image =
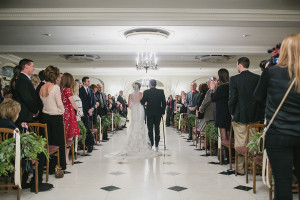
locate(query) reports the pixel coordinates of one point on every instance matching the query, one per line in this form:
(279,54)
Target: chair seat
(241,150)
(53,149)
(258,160)
(94,130)
(202,133)
(79,137)
(69,142)
(226,143)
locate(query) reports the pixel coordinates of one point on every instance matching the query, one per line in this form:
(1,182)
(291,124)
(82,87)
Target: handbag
(261,140)
(58,172)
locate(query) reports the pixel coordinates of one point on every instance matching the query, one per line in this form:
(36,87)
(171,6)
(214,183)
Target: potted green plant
(117,118)
(82,131)
(211,132)
(252,144)
(31,146)
(191,121)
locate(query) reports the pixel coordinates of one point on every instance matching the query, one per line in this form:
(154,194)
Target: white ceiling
(203,27)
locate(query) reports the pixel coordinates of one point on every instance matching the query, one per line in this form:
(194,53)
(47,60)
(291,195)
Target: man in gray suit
(192,99)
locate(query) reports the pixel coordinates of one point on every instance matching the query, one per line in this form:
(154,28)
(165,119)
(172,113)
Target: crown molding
(196,49)
(143,14)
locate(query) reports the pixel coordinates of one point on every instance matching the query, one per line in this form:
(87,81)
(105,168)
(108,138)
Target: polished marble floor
(179,174)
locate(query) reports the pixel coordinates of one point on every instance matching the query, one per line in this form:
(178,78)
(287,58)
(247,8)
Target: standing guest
(67,84)
(35,80)
(95,114)
(208,107)
(59,79)
(182,100)
(283,136)
(79,83)
(124,109)
(7,93)
(170,109)
(25,93)
(53,110)
(220,95)
(114,104)
(9,112)
(192,100)
(242,105)
(88,104)
(102,109)
(40,103)
(203,88)
(77,101)
(17,71)
(26,96)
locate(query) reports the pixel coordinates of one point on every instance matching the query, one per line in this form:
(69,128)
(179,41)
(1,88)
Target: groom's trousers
(153,120)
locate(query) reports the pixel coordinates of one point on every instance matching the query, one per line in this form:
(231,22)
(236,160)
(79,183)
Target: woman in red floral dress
(69,116)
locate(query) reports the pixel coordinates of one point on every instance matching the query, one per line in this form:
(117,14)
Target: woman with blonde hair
(283,136)
(35,79)
(70,122)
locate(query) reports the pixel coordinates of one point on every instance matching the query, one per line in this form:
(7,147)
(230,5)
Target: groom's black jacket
(156,101)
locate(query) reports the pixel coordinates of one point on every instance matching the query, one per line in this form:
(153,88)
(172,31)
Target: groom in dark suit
(156,104)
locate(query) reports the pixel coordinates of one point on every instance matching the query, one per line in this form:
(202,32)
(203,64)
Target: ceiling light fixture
(146,60)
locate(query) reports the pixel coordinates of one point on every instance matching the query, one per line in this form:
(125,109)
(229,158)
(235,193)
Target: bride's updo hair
(137,84)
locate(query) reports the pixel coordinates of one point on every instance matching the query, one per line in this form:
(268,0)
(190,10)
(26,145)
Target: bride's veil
(135,95)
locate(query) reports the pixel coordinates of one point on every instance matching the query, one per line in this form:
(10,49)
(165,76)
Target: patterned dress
(70,121)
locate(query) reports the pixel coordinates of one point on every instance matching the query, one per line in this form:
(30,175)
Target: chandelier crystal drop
(146,60)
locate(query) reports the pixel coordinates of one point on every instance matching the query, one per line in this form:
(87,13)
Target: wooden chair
(6,133)
(229,144)
(52,149)
(244,151)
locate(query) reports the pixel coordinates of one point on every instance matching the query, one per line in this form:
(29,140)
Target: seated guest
(9,113)
(70,122)
(52,114)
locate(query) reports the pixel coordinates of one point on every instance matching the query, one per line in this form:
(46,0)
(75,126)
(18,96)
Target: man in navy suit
(88,105)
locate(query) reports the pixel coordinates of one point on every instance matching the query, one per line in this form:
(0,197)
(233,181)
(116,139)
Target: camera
(274,58)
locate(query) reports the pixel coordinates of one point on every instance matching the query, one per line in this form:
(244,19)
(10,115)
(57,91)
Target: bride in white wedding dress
(138,142)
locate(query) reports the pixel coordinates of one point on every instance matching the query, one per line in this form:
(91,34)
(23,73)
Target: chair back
(41,130)
(6,133)
(253,127)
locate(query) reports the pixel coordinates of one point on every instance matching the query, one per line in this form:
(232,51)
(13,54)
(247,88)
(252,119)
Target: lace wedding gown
(138,142)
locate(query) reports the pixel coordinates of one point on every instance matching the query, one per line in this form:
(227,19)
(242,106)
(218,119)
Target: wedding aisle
(180,174)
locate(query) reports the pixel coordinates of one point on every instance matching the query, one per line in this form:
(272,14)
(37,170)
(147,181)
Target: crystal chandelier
(146,60)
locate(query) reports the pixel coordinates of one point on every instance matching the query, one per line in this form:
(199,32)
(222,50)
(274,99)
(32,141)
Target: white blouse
(53,104)
(79,106)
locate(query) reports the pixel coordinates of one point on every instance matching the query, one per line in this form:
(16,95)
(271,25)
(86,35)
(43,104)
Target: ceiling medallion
(147,33)
(214,58)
